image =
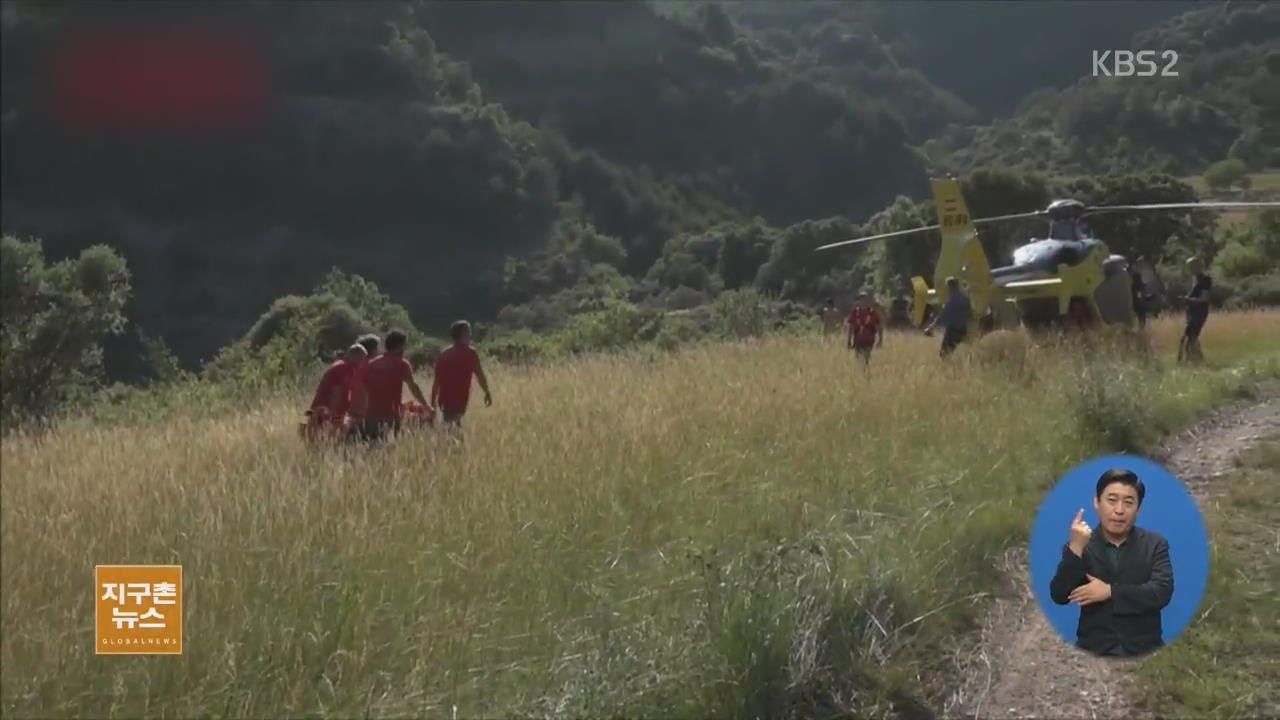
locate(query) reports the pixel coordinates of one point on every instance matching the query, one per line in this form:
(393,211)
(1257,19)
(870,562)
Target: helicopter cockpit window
(1049,254)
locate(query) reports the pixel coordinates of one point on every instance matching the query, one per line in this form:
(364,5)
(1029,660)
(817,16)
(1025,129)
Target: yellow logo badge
(139,609)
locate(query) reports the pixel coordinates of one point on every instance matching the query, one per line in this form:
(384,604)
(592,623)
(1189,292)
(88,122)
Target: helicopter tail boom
(962,255)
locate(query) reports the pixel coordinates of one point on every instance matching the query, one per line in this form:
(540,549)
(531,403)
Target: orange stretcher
(323,427)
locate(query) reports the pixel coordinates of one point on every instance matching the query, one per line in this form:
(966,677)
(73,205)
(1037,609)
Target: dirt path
(1020,668)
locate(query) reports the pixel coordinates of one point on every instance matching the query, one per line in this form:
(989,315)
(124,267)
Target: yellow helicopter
(1070,273)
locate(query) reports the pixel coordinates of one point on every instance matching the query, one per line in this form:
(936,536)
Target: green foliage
(163,365)
(521,347)
(745,312)
(373,306)
(528,164)
(1111,409)
(676,331)
(53,319)
(1227,173)
(1221,104)
(327,323)
(617,325)
(1256,291)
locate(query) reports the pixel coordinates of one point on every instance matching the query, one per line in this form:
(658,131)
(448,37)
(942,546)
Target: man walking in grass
(954,317)
(378,399)
(456,366)
(333,395)
(866,329)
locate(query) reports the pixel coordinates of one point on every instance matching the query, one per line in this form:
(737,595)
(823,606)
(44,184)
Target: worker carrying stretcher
(360,397)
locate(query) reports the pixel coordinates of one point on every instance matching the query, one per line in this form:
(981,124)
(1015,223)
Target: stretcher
(325,428)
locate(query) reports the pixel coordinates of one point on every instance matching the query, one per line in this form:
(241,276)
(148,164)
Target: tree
(53,319)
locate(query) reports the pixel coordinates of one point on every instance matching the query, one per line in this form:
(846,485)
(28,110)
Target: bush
(742,313)
(677,331)
(683,298)
(53,319)
(619,324)
(1257,291)
(328,324)
(1225,173)
(1109,406)
(520,347)
(364,297)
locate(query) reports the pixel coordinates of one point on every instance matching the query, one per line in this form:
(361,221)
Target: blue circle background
(1167,509)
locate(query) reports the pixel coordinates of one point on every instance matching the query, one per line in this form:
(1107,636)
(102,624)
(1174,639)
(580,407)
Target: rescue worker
(333,395)
(370,343)
(1197,311)
(378,399)
(866,328)
(456,366)
(954,317)
(1138,289)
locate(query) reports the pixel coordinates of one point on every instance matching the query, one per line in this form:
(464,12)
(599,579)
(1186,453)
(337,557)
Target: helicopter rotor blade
(1015,216)
(881,236)
(898,233)
(1181,206)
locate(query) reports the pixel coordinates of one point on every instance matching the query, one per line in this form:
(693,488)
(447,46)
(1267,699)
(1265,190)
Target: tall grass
(742,529)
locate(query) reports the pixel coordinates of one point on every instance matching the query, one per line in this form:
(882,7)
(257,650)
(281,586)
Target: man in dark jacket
(1119,575)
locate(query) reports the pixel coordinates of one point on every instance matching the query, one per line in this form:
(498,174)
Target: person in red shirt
(457,364)
(382,386)
(332,395)
(370,344)
(866,328)
(332,398)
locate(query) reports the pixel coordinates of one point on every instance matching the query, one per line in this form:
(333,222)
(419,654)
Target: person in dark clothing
(1119,575)
(1139,290)
(1197,311)
(954,317)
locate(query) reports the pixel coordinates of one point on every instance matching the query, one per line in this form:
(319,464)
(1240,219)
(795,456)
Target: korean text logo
(139,609)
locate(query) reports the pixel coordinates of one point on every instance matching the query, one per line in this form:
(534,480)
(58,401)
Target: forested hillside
(1224,101)
(530,164)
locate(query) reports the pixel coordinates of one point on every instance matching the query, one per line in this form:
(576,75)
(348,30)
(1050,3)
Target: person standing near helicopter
(1197,311)
(954,317)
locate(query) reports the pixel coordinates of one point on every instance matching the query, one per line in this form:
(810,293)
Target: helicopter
(1070,274)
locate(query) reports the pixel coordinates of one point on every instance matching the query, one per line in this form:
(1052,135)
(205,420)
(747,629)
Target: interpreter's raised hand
(1080,533)
(1094,591)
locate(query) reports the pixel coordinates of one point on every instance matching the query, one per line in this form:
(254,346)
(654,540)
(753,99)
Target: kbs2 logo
(139,609)
(1124,63)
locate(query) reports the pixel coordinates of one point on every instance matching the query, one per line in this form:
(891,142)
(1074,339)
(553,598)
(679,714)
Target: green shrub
(332,323)
(520,347)
(53,319)
(1226,173)
(619,324)
(744,312)
(364,297)
(1256,291)
(1110,408)
(676,331)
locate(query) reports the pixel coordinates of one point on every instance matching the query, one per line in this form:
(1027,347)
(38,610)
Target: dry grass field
(735,529)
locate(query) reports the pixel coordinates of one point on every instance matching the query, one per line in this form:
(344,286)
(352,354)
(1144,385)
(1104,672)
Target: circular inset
(1121,599)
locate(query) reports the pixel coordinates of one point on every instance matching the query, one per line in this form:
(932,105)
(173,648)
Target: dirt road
(1021,668)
